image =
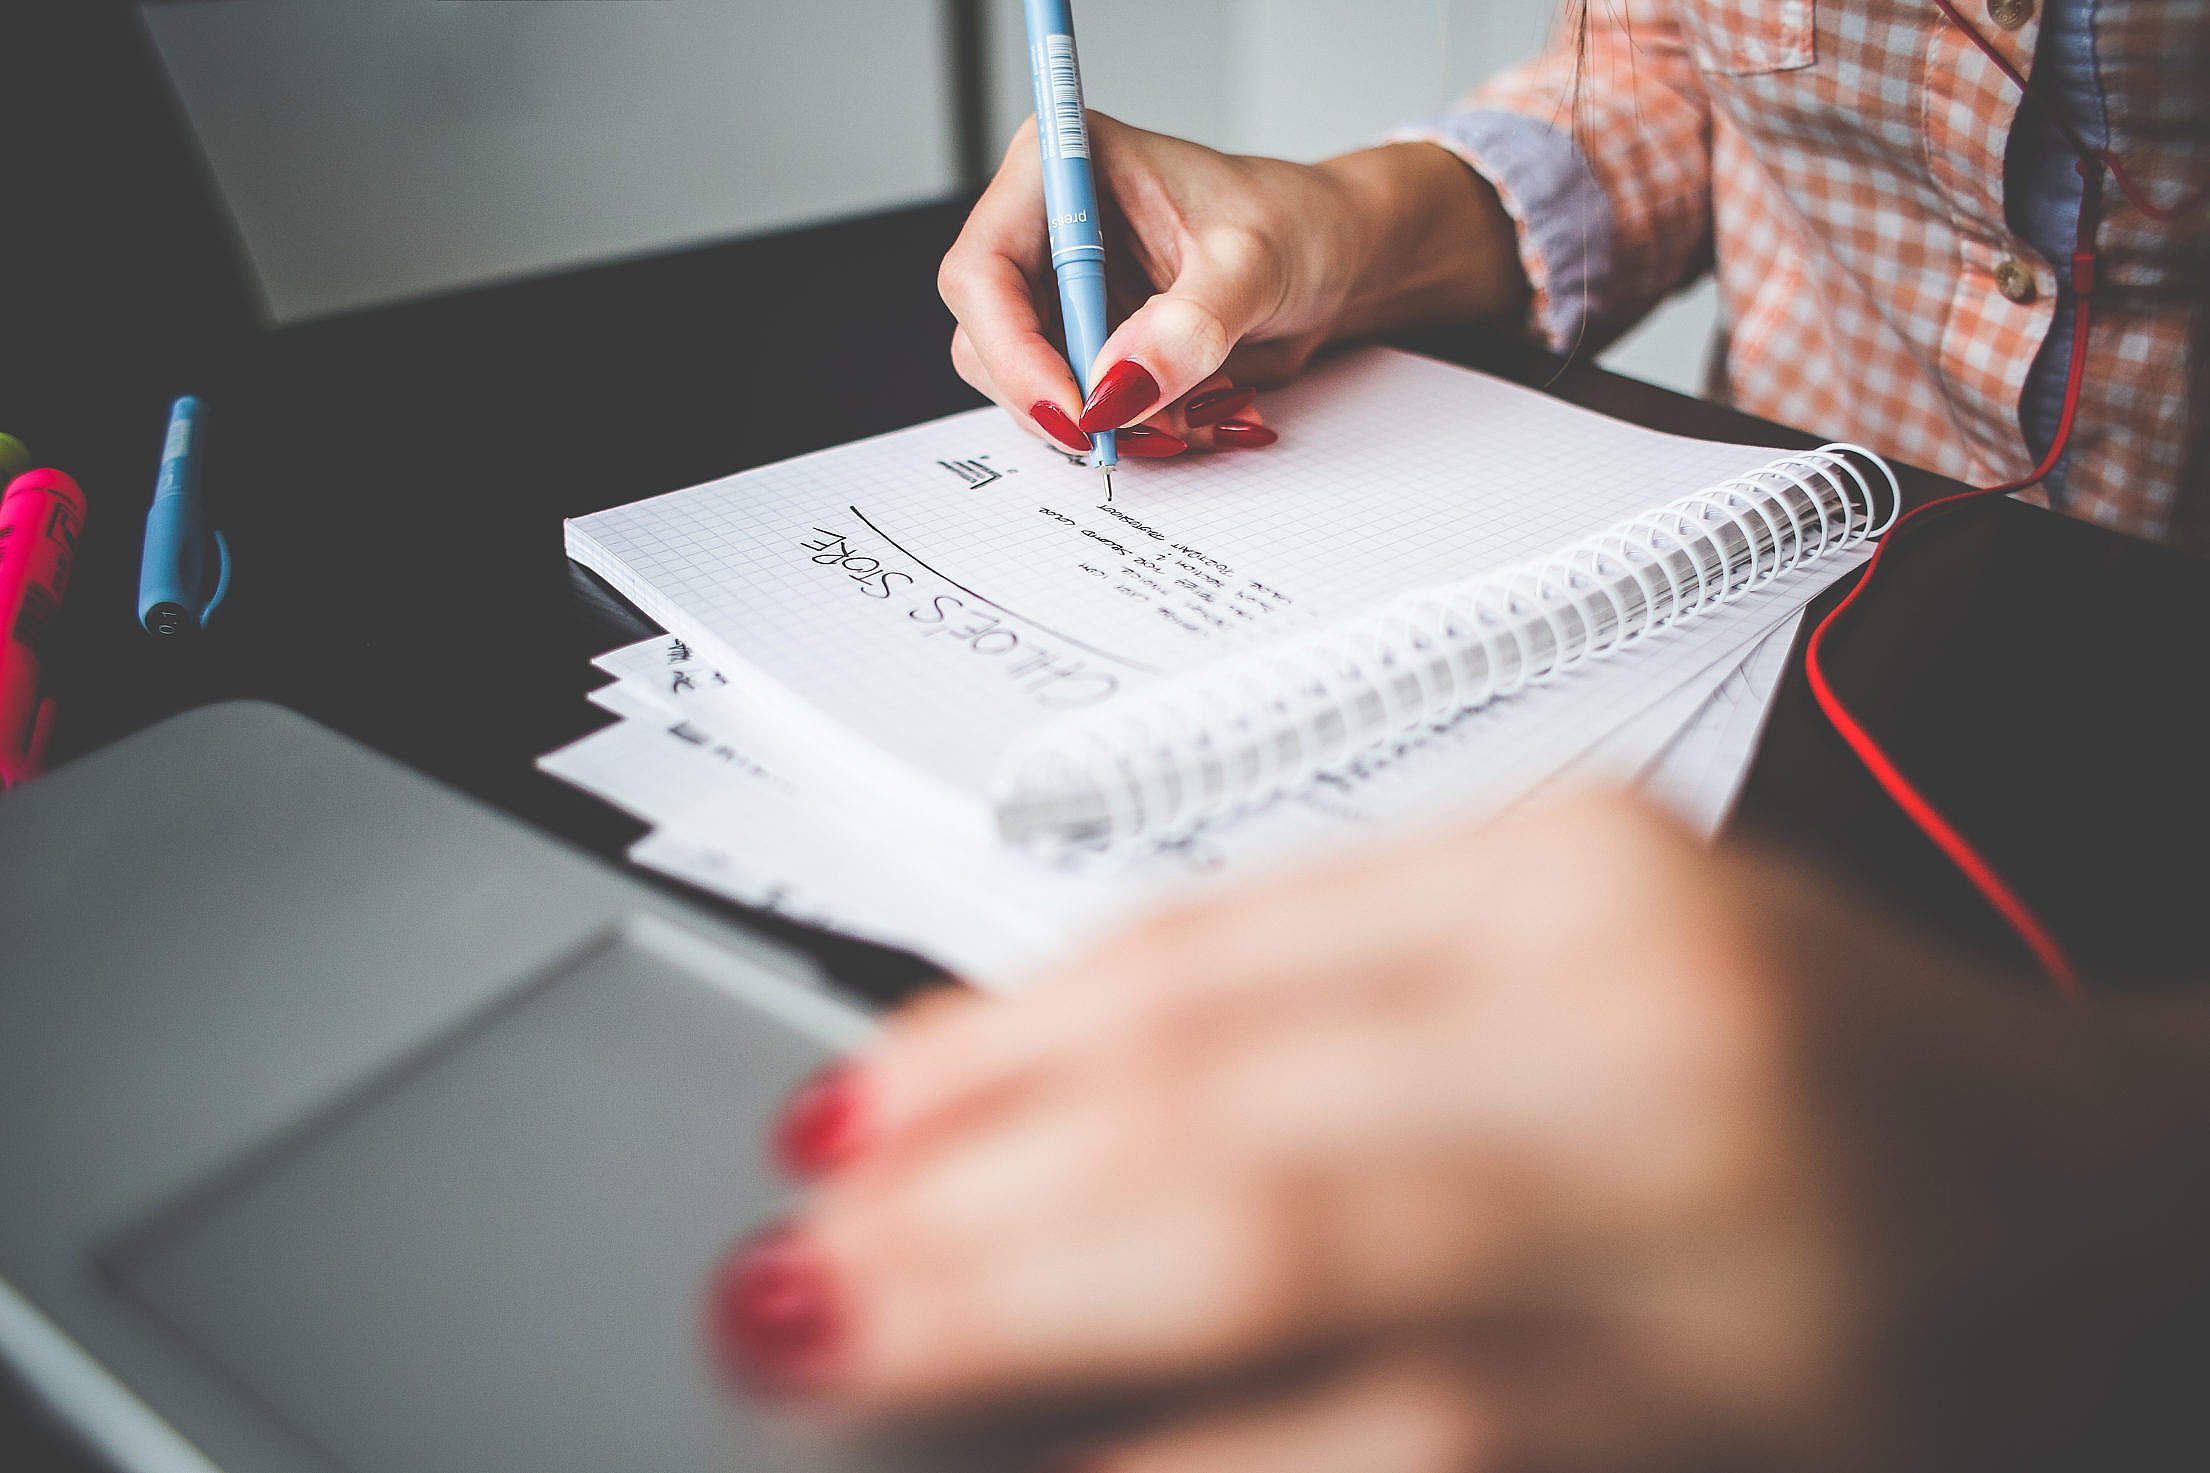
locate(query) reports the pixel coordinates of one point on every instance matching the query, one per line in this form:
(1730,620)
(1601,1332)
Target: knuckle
(1248,255)
(955,277)
(1240,250)
(1210,337)
(1020,151)
(1199,332)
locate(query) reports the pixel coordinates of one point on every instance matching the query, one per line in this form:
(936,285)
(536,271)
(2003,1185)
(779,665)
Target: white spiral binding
(1228,736)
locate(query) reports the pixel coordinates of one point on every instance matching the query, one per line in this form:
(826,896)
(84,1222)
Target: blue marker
(186,566)
(1070,200)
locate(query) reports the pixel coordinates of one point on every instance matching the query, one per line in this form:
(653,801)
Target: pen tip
(1108,484)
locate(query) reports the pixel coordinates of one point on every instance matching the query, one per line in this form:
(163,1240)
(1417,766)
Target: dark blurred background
(371,151)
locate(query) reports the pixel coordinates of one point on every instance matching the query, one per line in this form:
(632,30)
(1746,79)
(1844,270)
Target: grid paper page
(937,590)
(1701,772)
(1629,750)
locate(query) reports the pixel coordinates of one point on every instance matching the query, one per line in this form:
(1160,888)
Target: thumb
(1179,338)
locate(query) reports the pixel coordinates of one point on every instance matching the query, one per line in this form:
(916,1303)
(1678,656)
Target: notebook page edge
(818,749)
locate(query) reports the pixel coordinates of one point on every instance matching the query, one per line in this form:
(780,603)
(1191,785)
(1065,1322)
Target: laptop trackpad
(493,1258)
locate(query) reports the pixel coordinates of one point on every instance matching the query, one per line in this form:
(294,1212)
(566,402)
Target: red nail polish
(820,1126)
(774,1316)
(1146,443)
(1126,390)
(1219,404)
(1054,422)
(1239,435)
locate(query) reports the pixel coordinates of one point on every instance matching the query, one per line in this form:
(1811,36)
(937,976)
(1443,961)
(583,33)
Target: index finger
(1344,926)
(990,279)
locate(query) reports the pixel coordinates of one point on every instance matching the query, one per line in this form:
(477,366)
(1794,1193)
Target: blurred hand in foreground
(1562,1143)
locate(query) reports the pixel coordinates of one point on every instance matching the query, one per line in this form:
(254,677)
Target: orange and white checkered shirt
(1843,162)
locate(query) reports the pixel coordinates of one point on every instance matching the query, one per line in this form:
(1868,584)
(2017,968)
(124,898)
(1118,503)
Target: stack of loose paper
(855,636)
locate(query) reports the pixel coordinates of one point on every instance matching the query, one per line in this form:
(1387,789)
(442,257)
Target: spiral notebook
(1436,591)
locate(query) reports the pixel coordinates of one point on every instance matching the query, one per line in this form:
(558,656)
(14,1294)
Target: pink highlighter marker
(41,515)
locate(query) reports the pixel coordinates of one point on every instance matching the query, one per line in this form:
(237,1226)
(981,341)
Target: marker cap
(58,484)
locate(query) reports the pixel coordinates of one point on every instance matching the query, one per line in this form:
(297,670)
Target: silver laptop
(345,1124)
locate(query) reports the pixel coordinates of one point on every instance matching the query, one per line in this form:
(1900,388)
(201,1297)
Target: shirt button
(2010,14)
(2015,279)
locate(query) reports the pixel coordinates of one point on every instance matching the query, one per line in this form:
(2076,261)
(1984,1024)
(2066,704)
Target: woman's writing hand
(1227,272)
(1562,1144)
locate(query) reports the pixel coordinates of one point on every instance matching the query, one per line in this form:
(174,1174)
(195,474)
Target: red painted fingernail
(774,1315)
(1210,409)
(1054,422)
(820,1126)
(1146,443)
(1126,390)
(1241,435)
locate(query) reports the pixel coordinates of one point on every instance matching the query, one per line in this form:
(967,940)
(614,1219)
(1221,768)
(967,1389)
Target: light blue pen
(1070,200)
(185,570)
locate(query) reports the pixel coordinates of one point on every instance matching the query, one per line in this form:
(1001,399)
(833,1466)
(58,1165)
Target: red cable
(1915,805)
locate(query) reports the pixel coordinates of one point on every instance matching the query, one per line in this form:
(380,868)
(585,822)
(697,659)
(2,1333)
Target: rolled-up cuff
(1559,213)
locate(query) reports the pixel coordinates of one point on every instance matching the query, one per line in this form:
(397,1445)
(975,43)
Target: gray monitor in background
(374,150)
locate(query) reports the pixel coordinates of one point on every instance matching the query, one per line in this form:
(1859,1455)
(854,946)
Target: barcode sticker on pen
(1069,129)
